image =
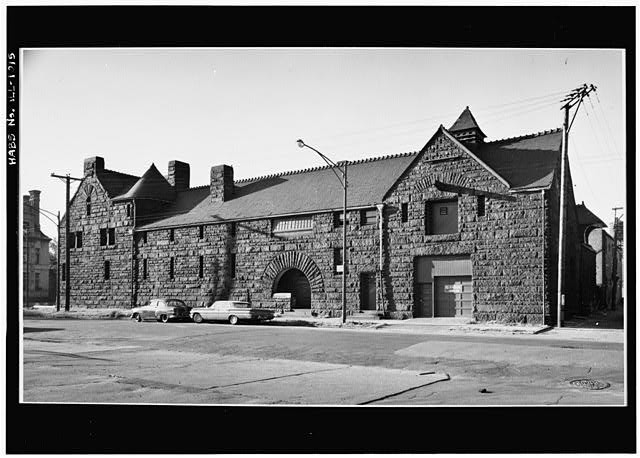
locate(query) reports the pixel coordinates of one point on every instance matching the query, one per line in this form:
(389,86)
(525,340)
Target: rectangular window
(201,273)
(171,268)
(232,229)
(112,236)
(103,237)
(144,269)
(232,266)
(404,212)
(292,225)
(441,217)
(72,239)
(107,270)
(37,255)
(64,271)
(172,235)
(338,264)
(368,216)
(37,280)
(144,238)
(338,218)
(481,205)
(78,239)
(88,209)
(201,232)
(128,210)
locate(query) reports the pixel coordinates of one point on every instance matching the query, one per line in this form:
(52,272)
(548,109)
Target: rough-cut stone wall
(505,246)
(88,285)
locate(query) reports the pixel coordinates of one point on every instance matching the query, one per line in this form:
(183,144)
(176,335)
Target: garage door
(454,296)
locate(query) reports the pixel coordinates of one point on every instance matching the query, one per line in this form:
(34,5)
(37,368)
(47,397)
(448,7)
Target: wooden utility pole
(574,98)
(614,269)
(67,292)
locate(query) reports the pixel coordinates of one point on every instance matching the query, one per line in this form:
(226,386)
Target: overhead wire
(617,151)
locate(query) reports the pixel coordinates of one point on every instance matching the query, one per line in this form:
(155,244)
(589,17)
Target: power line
(613,138)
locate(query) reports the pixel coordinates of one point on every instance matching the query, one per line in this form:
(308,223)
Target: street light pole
(343,181)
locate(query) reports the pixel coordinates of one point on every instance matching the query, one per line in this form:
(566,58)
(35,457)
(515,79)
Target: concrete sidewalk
(430,326)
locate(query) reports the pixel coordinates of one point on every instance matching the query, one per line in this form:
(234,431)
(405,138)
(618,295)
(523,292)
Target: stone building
(593,231)
(35,253)
(463,227)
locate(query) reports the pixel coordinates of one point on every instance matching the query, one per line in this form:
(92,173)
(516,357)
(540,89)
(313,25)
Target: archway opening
(295,282)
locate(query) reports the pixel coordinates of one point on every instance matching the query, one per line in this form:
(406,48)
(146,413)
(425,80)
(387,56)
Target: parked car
(231,311)
(161,309)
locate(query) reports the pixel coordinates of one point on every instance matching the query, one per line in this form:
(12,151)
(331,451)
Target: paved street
(120,361)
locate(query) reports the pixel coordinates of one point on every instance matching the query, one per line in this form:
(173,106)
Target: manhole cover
(590,384)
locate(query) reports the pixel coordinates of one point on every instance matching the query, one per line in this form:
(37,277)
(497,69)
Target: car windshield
(174,302)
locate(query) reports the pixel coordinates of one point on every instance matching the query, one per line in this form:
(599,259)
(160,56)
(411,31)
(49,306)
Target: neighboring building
(463,227)
(592,229)
(35,253)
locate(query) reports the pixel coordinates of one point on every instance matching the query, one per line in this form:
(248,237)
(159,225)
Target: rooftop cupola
(466,129)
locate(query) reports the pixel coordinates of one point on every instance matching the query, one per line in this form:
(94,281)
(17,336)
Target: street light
(342,178)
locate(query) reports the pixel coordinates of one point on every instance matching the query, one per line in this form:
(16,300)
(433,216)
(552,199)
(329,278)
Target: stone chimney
(92,165)
(34,202)
(178,175)
(221,187)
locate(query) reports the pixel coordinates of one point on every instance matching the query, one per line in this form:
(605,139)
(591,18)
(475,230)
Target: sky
(247,107)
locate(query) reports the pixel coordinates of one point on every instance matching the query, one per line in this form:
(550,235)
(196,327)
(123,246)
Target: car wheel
(137,317)
(233,319)
(197,318)
(164,318)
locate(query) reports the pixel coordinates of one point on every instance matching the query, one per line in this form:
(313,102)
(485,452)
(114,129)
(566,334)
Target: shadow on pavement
(291,323)
(27,330)
(601,319)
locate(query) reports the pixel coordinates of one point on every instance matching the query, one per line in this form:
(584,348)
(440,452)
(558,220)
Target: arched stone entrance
(293,271)
(294,281)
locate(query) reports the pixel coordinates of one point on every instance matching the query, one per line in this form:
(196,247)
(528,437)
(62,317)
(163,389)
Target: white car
(231,311)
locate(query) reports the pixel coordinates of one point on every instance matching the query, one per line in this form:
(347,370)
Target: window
(232,229)
(112,236)
(201,232)
(201,272)
(37,280)
(72,240)
(481,205)
(107,270)
(128,210)
(144,238)
(232,266)
(292,225)
(37,255)
(338,218)
(171,268)
(404,212)
(64,271)
(103,237)
(441,217)
(89,205)
(78,239)
(368,216)
(338,264)
(172,235)
(144,269)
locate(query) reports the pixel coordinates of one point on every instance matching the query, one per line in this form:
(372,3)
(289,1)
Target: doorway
(295,282)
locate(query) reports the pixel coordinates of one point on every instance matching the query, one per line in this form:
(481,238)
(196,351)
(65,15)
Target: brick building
(464,227)
(35,254)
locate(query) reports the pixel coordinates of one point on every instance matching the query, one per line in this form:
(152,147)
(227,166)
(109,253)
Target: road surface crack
(404,391)
(275,378)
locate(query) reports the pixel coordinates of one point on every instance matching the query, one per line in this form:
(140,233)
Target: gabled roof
(115,183)
(587,218)
(526,162)
(302,191)
(151,185)
(466,121)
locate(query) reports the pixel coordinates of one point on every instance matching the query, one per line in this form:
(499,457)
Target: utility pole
(67,292)
(574,98)
(614,270)
(58,268)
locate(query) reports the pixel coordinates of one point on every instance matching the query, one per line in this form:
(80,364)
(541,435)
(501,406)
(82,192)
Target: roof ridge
(521,137)
(322,167)
(120,173)
(196,187)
